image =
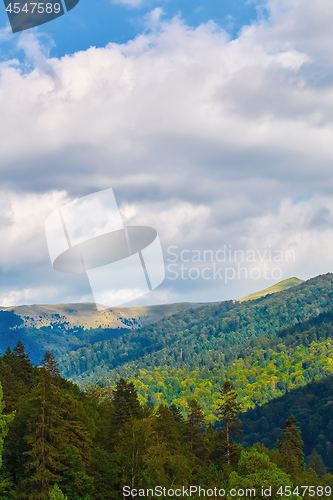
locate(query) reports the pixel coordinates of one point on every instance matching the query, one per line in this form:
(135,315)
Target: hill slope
(68,327)
(64,328)
(87,316)
(278,287)
(188,353)
(312,406)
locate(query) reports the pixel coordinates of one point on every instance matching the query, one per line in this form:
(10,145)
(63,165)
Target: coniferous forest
(228,397)
(59,442)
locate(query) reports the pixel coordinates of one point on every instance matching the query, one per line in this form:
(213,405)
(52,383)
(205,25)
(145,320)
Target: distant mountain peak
(278,287)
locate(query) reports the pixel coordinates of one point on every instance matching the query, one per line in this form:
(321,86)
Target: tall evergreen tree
(193,431)
(167,428)
(22,364)
(49,362)
(126,403)
(177,415)
(316,463)
(131,451)
(8,353)
(46,438)
(13,387)
(167,462)
(290,446)
(228,410)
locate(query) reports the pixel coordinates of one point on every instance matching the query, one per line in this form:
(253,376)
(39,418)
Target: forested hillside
(265,347)
(312,406)
(68,327)
(59,443)
(63,328)
(86,315)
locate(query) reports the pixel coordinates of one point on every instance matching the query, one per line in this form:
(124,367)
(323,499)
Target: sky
(211,121)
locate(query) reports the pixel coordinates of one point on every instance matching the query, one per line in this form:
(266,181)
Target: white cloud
(201,136)
(22,217)
(130,3)
(28,296)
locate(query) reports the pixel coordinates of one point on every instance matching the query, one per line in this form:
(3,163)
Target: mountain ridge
(205,343)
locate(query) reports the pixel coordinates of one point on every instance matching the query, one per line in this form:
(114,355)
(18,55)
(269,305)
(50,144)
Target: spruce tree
(228,410)
(193,430)
(46,438)
(316,463)
(8,353)
(131,453)
(19,350)
(177,415)
(167,460)
(126,403)
(22,365)
(49,362)
(76,427)
(290,446)
(13,388)
(167,428)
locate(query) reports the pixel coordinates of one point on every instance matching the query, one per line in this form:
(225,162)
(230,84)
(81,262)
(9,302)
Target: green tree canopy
(228,410)
(290,446)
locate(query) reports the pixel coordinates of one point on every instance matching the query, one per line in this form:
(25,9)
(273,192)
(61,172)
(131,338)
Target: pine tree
(193,431)
(316,463)
(167,428)
(105,477)
(13,388)
(75,482)
(228,411)
(49,362)
(178,418)
(19,350)
(76,430)
(22,365)
(131,451)
(167,461)
(46,438)
(290,446)
(126,403)
(8,353)
(177,415)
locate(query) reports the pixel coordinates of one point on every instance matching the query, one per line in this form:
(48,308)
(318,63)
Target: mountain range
(266,344)
(63,328)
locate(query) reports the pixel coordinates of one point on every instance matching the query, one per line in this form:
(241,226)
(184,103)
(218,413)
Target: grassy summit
(278,287)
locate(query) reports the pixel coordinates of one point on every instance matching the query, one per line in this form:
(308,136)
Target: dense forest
(63,328)
(229,395)
(215,334)
(59,337)
(265,347)
(59,442)
(312,406)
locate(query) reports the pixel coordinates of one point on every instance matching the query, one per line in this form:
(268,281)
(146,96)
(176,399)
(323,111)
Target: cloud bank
(211,141)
